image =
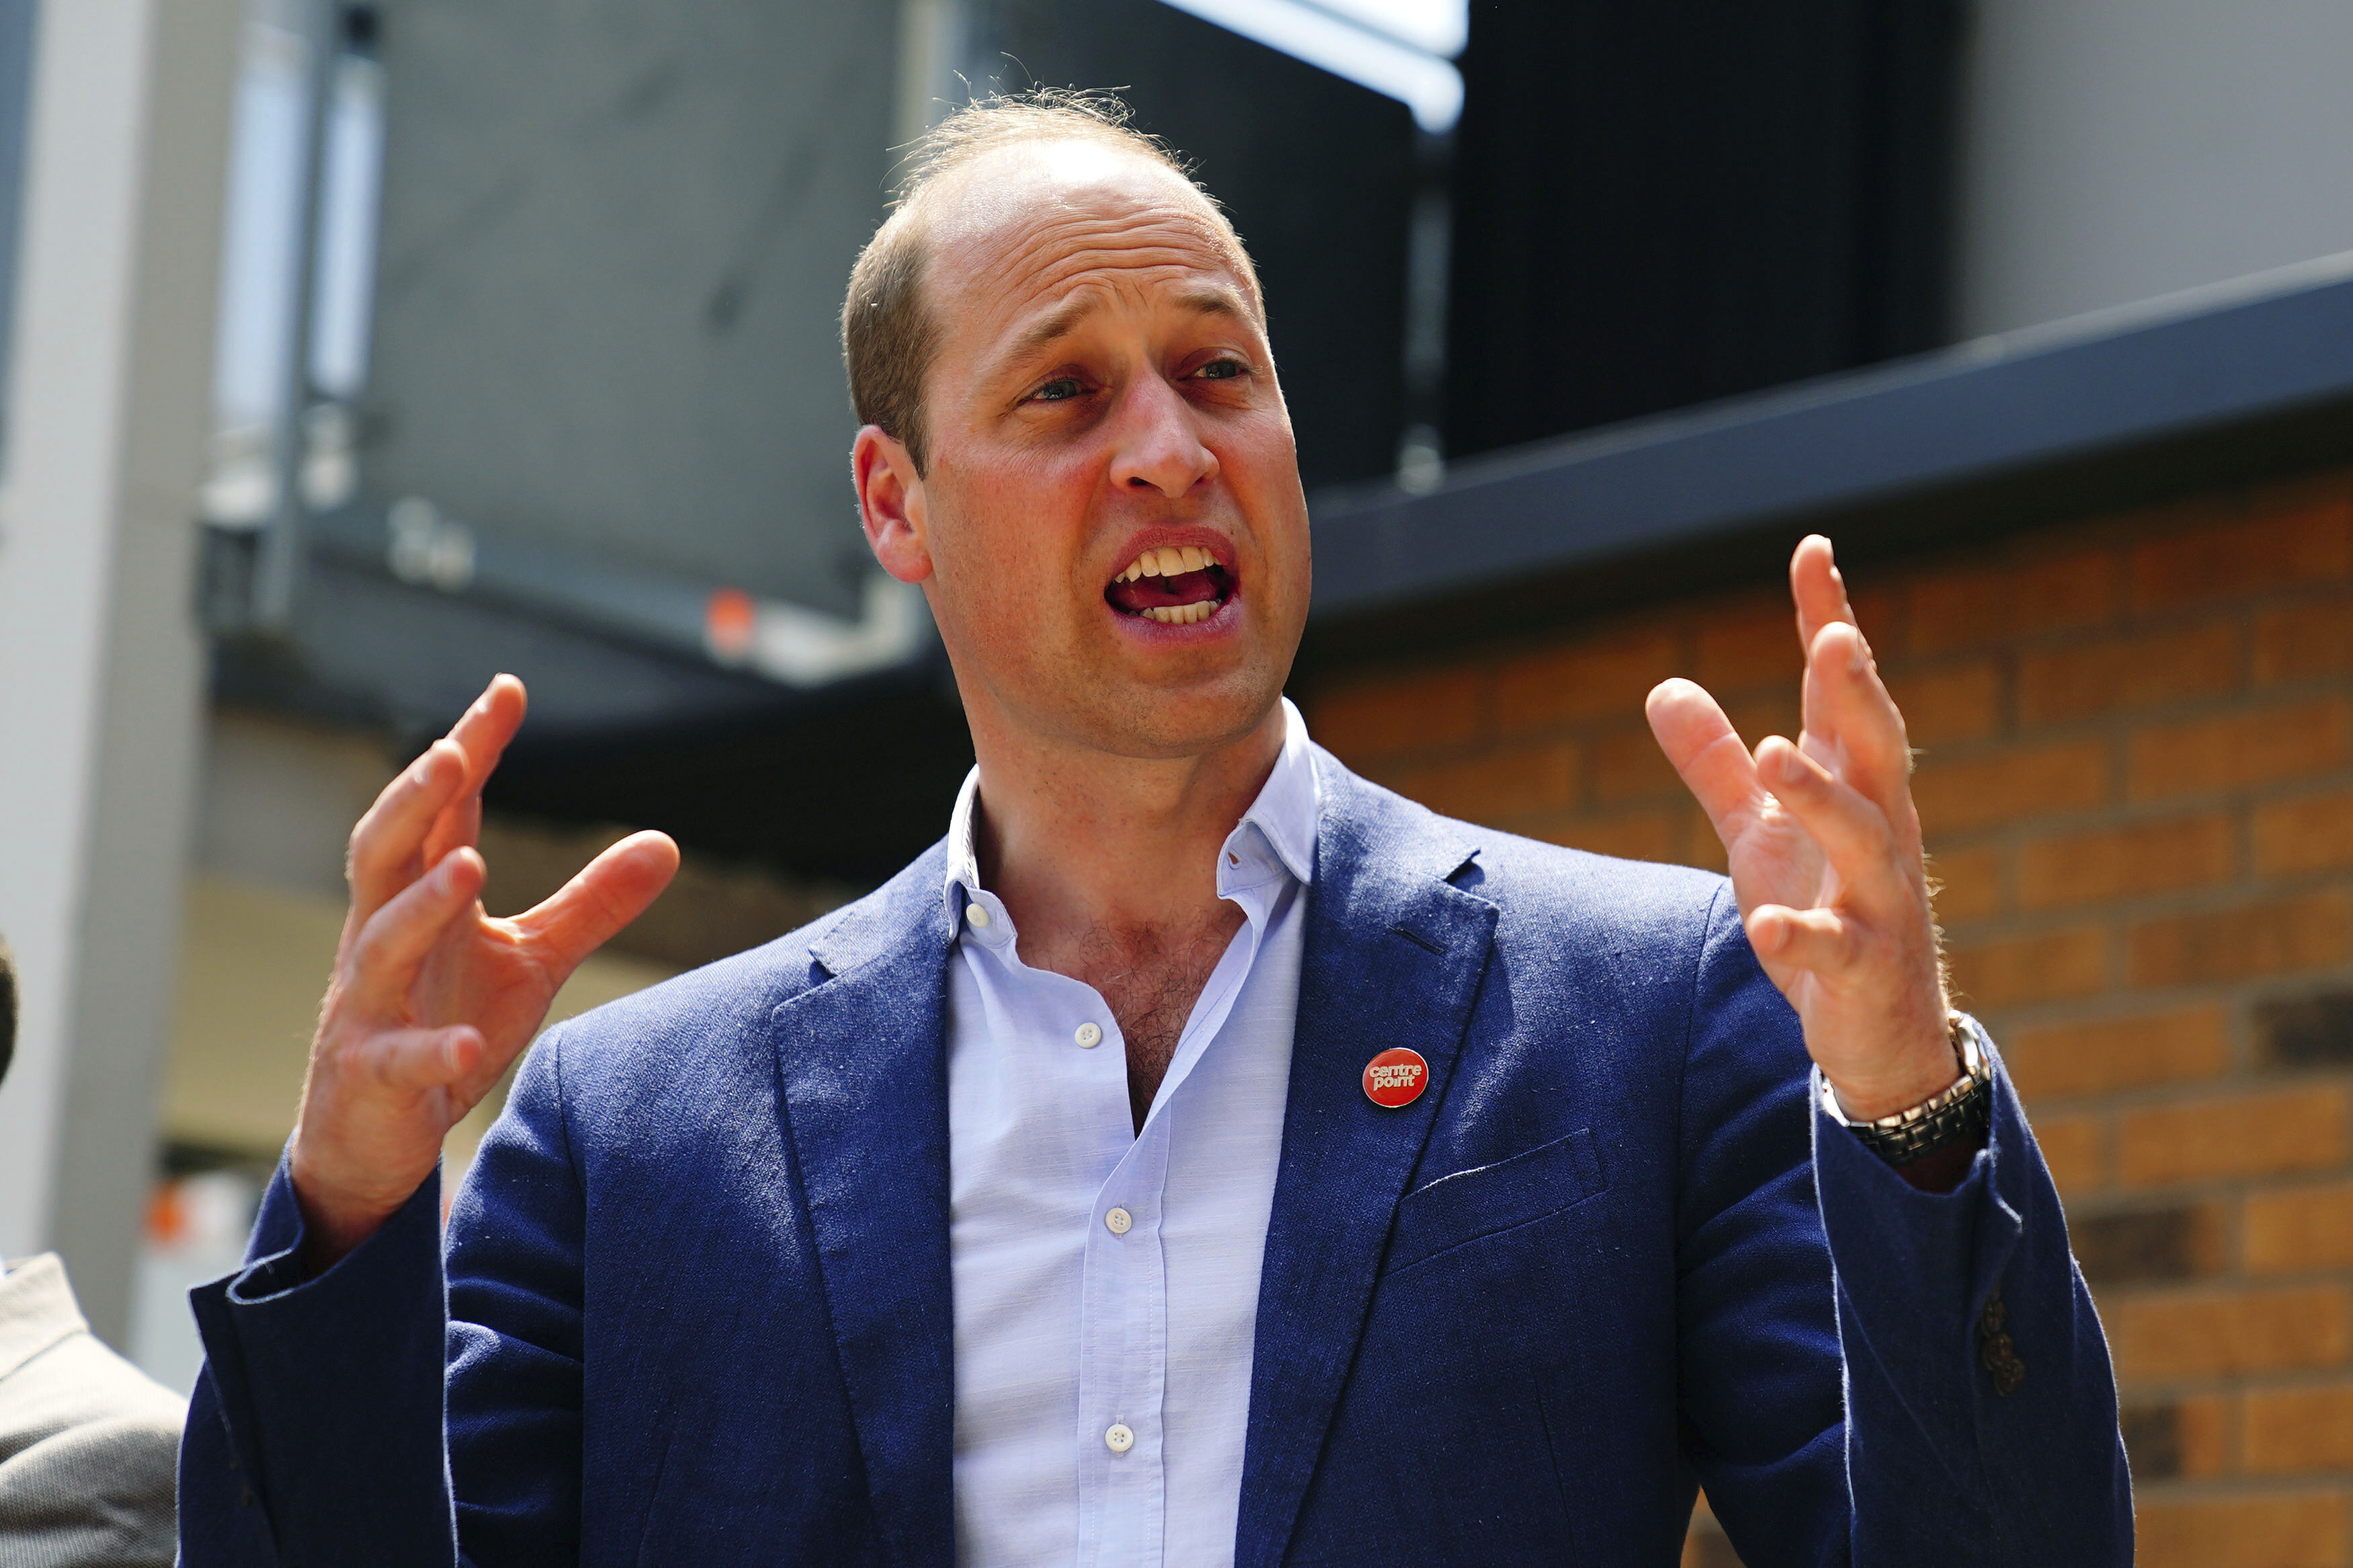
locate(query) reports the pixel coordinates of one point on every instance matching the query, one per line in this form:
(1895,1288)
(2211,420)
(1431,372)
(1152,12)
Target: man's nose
(1159,441)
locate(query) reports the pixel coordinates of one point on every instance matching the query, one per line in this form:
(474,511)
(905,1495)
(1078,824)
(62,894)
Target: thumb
(609,892)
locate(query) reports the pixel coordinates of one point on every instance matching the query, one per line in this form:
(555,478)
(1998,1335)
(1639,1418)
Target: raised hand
(431,998)
(1825,854)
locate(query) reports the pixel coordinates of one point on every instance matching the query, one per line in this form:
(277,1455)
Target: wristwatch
(1962,1112)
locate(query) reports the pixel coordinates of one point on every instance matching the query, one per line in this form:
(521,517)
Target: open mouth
(1175,584)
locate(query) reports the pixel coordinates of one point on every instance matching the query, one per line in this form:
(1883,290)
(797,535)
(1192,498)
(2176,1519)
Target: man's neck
(1078,841)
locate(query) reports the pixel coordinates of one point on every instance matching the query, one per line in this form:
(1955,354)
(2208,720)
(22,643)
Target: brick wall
(2136,783)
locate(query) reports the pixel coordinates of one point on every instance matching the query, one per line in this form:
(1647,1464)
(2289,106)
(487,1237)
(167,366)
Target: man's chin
(1163,721)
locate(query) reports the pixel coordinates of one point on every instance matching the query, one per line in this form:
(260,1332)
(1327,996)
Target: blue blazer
(695,1302)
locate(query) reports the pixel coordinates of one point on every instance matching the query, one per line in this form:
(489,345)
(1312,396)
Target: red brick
(2109,1054)
(2121,673)
(2299,1129)
(1651,835)
(2291,1429)
(2010,784)
(1501,786)
(2235,750)
(1980,606)
(1774,710)
(2211,1335)
(2240,944)
(2289,1230)
(1396,713)
(2266,1530)
(2305,641)
(1970,884)
(1748,643)
(1628,763)
(2178,1439)
(2311,543)
(2076,1148)
(2045,967)
(2119,862)
(1957,702)
(2314,834)
(1607,675)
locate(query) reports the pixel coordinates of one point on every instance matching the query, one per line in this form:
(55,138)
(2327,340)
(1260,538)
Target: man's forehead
(1020,220)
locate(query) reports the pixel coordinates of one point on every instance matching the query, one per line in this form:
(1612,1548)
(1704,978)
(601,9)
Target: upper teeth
(1169,561)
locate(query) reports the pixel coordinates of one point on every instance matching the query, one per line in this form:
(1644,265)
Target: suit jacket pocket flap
(1480,1201)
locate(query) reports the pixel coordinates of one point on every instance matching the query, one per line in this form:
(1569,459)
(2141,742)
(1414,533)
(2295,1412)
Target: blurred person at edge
(1201,1156)
(89,1442)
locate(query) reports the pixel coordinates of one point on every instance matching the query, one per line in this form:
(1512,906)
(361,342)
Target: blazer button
(1119,1440)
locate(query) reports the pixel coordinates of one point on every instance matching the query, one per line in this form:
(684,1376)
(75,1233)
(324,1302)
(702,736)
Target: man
(88,1441)
(1201,1156)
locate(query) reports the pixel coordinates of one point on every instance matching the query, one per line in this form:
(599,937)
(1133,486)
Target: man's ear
(891,504)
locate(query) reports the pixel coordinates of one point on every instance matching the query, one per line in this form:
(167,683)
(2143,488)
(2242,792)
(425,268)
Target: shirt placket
(1123,1330)
(1124,1361)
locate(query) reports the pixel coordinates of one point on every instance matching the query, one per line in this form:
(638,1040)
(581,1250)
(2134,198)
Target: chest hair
(1151,976)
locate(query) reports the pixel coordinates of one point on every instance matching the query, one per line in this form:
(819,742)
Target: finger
(609,892)
(1853,831)
(1818,588)
(1849,712)
(414,1059)
(1818,941)
(386,849)
(480,734)
(1705,750)
(393,944)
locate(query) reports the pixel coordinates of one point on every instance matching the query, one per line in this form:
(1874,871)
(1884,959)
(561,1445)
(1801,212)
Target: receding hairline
(930,210)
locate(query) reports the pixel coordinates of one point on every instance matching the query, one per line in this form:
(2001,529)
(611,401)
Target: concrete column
(100,660)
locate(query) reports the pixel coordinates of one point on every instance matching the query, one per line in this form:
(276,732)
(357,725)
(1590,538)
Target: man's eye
(1220,370)
(1062,389)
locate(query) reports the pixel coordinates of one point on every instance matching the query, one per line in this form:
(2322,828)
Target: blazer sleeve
(393,1410)
(1847,1397)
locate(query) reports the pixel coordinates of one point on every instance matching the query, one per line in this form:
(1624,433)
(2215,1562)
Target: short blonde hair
(889,339)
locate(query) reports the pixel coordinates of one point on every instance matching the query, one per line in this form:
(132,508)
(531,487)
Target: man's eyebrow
(1198,301)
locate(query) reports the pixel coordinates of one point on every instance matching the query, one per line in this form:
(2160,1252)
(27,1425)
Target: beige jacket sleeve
(89,1444)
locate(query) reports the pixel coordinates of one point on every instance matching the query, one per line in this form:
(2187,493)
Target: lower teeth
(1182,614)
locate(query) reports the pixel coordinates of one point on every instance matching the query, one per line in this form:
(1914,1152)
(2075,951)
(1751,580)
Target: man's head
(1074,437)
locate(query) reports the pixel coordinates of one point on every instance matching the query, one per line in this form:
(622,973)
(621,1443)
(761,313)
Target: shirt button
(1119,1440)
(1118,1221)
(977,913)
(1090,1035)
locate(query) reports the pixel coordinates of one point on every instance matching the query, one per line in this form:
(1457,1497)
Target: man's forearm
(316,1436)
(1989,1446)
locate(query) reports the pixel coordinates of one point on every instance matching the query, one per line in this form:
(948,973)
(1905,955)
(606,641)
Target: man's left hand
(1825,854)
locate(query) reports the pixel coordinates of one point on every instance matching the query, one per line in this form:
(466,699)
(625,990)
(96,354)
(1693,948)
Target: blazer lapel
(1393,957)
(862,1062)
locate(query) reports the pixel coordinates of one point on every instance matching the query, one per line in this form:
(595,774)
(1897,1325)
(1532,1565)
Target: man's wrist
(1958,1115)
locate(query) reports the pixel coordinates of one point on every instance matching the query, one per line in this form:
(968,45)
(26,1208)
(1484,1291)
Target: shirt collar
(1285,815)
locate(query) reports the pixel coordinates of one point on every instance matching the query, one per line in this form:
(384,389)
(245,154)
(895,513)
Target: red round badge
(1396,1077)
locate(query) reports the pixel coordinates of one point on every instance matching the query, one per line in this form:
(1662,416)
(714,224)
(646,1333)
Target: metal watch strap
(1962,1112)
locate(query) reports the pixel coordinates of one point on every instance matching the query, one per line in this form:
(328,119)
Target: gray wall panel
(616,236)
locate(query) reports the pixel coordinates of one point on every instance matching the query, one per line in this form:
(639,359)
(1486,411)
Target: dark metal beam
(2092,410)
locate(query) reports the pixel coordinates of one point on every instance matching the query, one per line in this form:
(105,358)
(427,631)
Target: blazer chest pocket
(1481,1202)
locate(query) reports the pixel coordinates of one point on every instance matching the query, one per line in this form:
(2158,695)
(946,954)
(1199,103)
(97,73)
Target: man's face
(1112,524)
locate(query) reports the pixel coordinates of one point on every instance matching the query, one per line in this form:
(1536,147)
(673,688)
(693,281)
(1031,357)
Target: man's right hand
(431,998)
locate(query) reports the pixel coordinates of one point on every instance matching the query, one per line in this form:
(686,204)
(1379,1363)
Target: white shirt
(1102,1358)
